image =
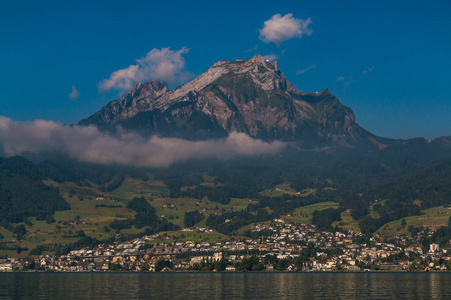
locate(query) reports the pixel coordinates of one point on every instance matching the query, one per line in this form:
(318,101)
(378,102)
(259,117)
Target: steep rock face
(128,105)
(250,96)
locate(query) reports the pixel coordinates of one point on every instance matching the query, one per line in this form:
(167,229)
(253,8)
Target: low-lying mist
(89,144)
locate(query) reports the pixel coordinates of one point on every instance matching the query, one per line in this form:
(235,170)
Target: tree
(403,223)
(114,267)
(192,218)
(20,231)
(161,264)
(49,219)
(323,219)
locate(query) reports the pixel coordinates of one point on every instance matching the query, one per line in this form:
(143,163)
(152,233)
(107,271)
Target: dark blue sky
(389,61)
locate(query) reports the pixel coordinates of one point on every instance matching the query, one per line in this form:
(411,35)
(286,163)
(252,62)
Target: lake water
(225,285)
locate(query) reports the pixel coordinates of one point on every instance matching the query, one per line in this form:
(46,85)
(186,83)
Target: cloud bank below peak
(89,144)
(163,64)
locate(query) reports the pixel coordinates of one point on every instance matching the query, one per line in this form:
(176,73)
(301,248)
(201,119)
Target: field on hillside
(285,188)
(433,218)
(347,222)
(173,209)
(194,236)
(92,211)
(135,188)
(304,214)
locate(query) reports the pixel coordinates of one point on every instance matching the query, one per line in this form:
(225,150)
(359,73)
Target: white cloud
(368,70)
(271,57)
(75,94)
(91,145)
(340,79)
(163,64)
(305,70)
(281,28)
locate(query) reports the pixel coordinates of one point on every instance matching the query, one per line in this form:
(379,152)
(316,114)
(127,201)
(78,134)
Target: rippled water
(225,285)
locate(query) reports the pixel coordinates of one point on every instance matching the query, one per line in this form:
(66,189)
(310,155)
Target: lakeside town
(278,246)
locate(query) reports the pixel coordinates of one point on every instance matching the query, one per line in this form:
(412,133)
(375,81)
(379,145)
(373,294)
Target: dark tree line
(22,193)
(323,219)
(192,218)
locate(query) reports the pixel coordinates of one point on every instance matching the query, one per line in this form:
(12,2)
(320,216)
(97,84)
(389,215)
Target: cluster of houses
(332,251)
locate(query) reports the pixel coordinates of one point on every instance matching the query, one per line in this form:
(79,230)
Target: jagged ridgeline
(250,96)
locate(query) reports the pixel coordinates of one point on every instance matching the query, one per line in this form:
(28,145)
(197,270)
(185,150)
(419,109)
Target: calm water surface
(225,286)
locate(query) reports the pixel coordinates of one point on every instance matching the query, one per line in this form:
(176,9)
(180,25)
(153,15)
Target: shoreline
(228,272)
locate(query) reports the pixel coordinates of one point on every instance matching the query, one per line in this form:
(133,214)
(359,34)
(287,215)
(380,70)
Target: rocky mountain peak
(260,71)
(149,87)
(250,96)
(258,59)
(143,90)
(128,105)
(156,85)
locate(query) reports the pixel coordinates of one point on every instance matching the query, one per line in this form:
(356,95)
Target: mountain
(250,96)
